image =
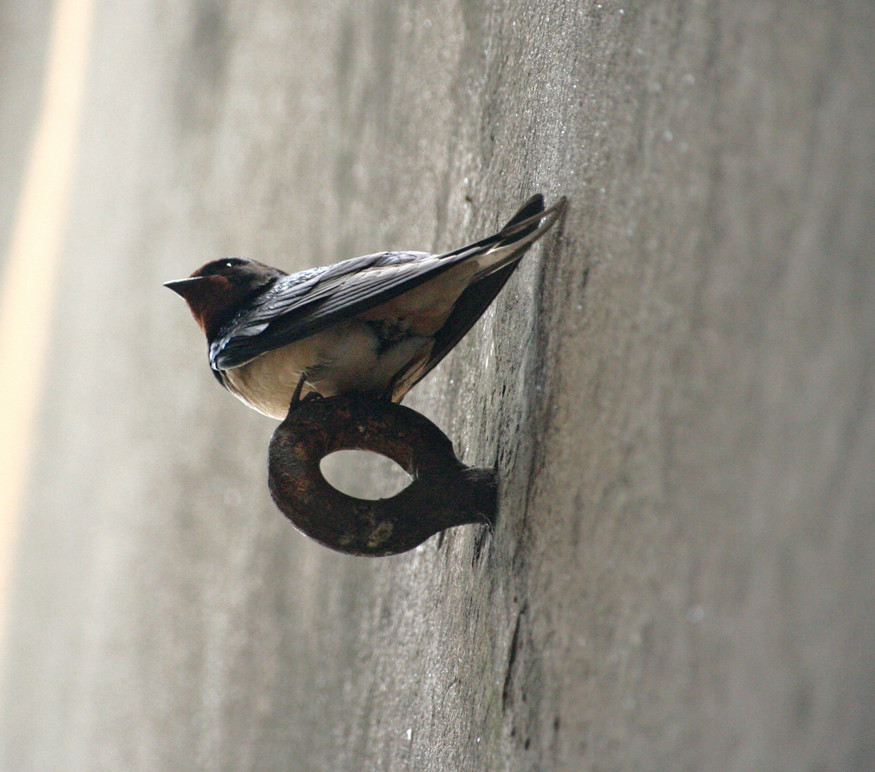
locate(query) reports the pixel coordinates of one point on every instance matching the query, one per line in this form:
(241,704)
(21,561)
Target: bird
(373,325)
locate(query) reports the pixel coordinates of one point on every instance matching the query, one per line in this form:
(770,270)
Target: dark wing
(303,304)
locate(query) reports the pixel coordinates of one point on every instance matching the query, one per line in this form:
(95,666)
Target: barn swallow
(375,324)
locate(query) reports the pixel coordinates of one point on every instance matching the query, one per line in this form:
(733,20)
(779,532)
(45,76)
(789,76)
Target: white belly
(345,358)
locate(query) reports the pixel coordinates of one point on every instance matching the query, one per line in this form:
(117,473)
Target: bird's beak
(183,287)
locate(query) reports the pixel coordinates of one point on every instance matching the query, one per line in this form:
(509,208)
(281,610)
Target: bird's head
(218,290)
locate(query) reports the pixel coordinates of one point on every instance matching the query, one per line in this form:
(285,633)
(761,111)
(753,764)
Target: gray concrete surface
(677,389)
(23,33)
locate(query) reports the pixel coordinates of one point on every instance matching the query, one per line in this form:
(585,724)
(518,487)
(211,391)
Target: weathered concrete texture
(677,389)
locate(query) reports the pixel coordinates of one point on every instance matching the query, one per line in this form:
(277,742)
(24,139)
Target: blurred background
(676,386)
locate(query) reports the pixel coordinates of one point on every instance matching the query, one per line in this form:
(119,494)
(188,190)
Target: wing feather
(305,303)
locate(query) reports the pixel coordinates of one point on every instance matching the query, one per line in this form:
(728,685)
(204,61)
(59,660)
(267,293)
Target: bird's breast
(355,356)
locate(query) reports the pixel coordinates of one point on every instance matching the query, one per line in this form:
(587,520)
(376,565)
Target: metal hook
(444,492)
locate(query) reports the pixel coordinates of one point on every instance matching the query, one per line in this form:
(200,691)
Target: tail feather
(533,207)
(520,232)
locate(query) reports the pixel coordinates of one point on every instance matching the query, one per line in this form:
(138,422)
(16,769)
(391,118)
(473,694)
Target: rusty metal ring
(444,492)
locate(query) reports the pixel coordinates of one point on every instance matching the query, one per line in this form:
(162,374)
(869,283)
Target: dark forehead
(222,267)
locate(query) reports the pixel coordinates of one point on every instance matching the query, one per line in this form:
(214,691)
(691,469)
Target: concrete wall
(677,388)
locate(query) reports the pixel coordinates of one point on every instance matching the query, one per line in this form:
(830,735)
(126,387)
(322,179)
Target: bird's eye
(229,264)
